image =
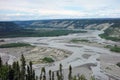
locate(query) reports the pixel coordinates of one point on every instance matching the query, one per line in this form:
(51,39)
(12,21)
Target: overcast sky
(58,9)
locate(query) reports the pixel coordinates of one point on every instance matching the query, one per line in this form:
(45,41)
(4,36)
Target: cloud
(44,9)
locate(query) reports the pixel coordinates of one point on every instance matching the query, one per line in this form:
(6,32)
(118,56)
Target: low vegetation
(109,38)
(114,48)
(38,33)
(11,45)
(118,64)
(79,40)
(47,60)
(113,32)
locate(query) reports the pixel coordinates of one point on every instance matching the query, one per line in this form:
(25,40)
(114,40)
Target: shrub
(10,45)
(48,59)
(118,64)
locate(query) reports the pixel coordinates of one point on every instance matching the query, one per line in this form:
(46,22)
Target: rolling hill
(39,28)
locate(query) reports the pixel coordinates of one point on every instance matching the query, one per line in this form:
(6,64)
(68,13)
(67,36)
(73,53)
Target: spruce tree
(61,75)
(28,73)
(1,62)
(31,70)
(44,75)
(70,73)
(52,75)
(33,75)
(49,74)
(11,74)
(92,78)
(18,70)
(58,76)
(82,77)
(23,69)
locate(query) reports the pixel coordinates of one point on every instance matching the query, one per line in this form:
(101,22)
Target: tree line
(23,71)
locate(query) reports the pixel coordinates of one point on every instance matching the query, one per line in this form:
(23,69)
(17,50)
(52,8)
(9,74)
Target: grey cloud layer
(43,9)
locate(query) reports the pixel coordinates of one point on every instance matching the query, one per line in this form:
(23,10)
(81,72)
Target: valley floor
(88,58)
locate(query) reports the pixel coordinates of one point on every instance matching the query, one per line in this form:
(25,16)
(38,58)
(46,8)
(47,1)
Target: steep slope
(113,32)
(66,23)
(11,29)
(35,27)
(7,28)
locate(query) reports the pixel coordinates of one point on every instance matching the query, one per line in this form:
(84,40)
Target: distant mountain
(113,32)
(32,27)
(65,23)
(7,28)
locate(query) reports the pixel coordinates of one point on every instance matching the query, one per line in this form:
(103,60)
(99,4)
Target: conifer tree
(36,78)
(92,78)
(44,73)
(82,77)
(58,76)
(28,73)
(33,75)
(75,78)
(49,74)
(30,64)
(61,75)
(52,75)
(23,69)
(70,73)
(11,74)
(1,62)
(18,70)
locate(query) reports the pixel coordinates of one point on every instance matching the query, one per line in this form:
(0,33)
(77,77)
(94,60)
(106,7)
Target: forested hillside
(8,27)
(11,29)
(41,28)
(65,23)
(113,32)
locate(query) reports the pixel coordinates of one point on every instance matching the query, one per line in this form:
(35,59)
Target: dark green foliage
(1,62)
(10,45)
(118,64)
(23,69)
(58,75)
(61,74)
(92,78)
(8,28)
(11,74)
(11,29)
(41,33)
(4,72)
(50,77)
(79,40)
(78,23)
(115,49)
(48,59)
(70,73)
(43,74)
(112,30)
(28,28)
(109,38)
(17,72)
(82,77)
